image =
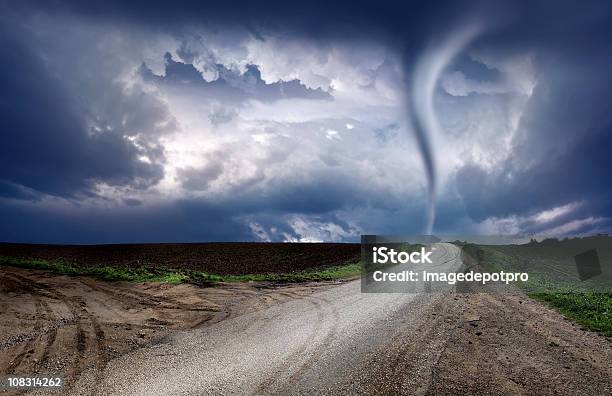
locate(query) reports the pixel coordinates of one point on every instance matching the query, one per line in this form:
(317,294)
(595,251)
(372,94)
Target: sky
(303,121)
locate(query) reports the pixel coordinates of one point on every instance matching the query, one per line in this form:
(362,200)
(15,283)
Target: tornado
(428,69)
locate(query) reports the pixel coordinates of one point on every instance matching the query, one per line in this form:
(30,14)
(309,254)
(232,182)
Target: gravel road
(342,341)
(314,344)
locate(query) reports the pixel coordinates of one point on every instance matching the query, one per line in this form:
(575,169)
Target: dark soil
(215,258)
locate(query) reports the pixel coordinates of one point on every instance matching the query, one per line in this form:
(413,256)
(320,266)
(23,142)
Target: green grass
(143,274)
(329,273)
(140,274)
(591,310)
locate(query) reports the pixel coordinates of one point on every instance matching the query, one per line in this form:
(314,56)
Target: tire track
(265,387)
(83,319)
(410,356)
(81,336)
(148,299)
(43,314)
(326,342)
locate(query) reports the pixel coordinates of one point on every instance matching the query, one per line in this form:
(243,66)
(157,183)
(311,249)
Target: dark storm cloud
(316,19)
(189,220)
(199,179)
(132,201)
(179,221)
(561,153)
(47,145)
(52,142)
(323,191)
(17,191)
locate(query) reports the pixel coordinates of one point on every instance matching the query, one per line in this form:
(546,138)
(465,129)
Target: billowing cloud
(556,155)
(124,122)
(56,141)
(227,84)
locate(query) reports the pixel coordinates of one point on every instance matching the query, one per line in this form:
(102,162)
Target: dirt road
(126,338)
(341,341)
(69,325)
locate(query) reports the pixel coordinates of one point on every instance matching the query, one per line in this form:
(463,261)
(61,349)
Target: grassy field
(553,276)
(146,274)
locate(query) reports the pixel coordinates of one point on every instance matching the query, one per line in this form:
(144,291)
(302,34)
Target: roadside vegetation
(552,280)
(146,274)
(591,310)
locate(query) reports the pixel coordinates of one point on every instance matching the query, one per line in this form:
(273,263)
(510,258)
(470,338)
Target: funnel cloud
(426,127)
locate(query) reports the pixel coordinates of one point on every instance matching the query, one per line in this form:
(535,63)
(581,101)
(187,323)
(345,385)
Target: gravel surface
(337,340)
(63,326)
(313,344)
